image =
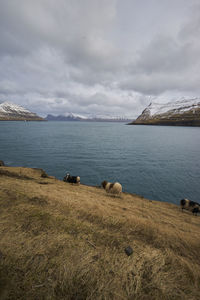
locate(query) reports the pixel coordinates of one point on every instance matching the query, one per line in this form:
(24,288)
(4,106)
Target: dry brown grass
(62,241)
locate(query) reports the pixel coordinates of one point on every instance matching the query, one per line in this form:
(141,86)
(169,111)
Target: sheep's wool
(114,188)
(189,205)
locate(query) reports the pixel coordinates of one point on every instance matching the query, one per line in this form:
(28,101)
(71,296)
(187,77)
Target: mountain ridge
(79,118)
(185,112)
(13,112)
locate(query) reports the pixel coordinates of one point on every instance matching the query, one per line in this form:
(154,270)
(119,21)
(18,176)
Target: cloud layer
(98,57)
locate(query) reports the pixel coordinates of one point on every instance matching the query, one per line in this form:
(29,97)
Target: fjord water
(157,162)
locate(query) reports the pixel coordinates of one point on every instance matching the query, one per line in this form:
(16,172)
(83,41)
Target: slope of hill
(182,112)
(13,112)
(63,241)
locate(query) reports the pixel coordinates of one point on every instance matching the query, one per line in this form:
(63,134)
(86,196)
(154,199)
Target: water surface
(157,162)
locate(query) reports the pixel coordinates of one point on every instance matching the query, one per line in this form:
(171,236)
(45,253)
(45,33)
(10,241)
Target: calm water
(161,163)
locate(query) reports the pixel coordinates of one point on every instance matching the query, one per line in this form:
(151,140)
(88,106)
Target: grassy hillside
(62,241)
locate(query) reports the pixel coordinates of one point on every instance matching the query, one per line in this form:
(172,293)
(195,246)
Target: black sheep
(71,179)
(192,206)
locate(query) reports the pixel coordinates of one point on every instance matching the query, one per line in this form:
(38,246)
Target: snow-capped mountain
(184,112)
(13,112)
(68,117)
(77,117)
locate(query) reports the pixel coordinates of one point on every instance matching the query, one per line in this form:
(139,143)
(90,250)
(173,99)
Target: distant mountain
(70,117)
(13,112)
(177,113)
(74,117)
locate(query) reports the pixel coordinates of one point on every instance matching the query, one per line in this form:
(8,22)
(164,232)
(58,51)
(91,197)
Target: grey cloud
(168,63)
(76,34)
(165,54)
(156,84)
(97,56)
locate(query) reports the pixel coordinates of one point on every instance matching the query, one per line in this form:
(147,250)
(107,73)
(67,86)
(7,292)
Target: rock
(51,177)
(95,257)
(44,174)
(2,163)
(128,250)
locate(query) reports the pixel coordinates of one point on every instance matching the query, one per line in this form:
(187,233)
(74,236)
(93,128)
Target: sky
(98,57)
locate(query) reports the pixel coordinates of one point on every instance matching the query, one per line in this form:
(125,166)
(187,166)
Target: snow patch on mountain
(13,112)
(75,116)
(9,108)
(179,107)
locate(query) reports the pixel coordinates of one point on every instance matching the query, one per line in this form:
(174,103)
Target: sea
(157,162)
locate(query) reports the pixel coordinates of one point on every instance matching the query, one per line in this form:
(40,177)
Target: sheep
(113,188)
(71,179)
(2,163)
(192,206)
(196,210)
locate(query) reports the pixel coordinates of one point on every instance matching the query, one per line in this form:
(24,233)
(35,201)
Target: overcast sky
(98,56)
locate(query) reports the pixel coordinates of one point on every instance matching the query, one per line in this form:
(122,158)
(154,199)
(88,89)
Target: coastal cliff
(177,113)
(63,241)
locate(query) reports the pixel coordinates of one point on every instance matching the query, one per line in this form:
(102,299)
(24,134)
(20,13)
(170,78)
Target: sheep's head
(103,184)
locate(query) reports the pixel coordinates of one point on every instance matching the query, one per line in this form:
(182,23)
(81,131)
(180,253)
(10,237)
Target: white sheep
(113,188)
